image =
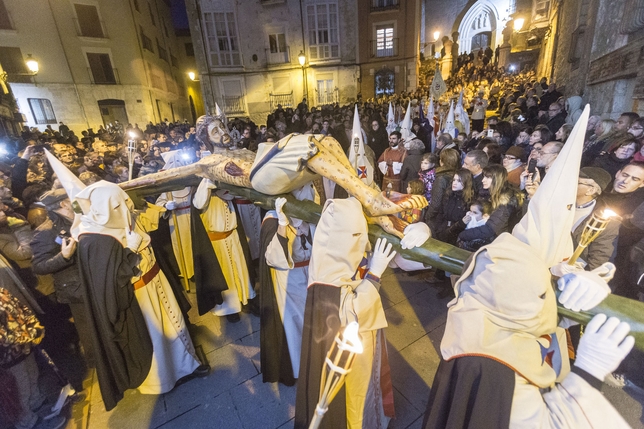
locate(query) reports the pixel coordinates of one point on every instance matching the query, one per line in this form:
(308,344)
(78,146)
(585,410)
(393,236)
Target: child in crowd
(414,187)
(477,216)
(427,173)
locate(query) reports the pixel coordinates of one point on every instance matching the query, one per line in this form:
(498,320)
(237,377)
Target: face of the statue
(217,134)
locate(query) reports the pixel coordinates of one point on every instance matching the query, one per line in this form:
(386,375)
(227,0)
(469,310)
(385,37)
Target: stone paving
(233,396)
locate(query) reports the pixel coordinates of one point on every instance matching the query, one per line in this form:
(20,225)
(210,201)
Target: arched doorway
(480,27)
(385,82)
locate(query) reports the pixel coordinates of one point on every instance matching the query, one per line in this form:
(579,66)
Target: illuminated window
(385,41)
(42,110)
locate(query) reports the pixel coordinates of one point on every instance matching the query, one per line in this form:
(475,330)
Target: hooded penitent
(357,156)
(405,126)
(339,244)
(391,121)
(173,159)
(450,126)
(500,315)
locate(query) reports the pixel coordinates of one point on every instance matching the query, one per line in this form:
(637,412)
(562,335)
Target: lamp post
(338,363)
(32,65)
(131,150)
(302,59)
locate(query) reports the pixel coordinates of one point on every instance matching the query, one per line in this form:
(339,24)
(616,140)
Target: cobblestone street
(233,396)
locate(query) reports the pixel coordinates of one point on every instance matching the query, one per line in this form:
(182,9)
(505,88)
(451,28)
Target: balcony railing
(380,5)
(278,57)
(95,31)
(106,79)
(327,97)
(234,105)
(286,100)
(386,48)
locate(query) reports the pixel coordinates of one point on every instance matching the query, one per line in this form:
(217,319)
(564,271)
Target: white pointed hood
(358,159)
(405,127)
(547,224)
(462,114)
(173,159)
(70,182)
(450,127)
(391,120)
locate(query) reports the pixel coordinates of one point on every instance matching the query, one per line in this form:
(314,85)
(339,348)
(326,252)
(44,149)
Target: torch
(338,364)
(131,150)
(356,148)
(593,228)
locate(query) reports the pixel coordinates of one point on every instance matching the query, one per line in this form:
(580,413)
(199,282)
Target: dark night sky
(179,15)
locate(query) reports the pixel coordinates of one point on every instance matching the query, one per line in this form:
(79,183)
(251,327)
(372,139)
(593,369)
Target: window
(42,110)
(322,23)
(88,22)
(190,50)
(154,22)
(5,22)
(222,39)
(101,68)
(163,54)
(542,8)
(385,41)
(384,4)
(146,41)
(136,5)
(277,43)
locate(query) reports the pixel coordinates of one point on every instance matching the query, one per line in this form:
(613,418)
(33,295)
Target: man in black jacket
(54,253)
(555,117)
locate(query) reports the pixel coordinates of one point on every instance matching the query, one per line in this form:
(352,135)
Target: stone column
(504,50)
(447,62)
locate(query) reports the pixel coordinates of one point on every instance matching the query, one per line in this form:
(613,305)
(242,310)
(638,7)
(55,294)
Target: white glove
(603,346)
(170,205)
(606,271)
(383,167)
(281,217)
(562,268)
(382,254)
(415,235)
(582,290)
(133,241)
(397,166)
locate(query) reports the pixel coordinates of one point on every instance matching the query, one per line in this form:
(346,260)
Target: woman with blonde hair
(505,202)
(604,130)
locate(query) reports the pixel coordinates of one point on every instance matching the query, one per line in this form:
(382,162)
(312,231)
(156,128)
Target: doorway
(113,110)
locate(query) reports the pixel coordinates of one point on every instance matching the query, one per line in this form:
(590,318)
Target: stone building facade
(389,42)
(600,54)
(100,61)
(248,53)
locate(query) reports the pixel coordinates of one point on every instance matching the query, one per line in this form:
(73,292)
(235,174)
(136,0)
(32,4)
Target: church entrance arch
(480,27)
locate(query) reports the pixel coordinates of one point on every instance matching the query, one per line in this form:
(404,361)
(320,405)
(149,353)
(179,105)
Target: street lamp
(518,24)
(436,35)
(302,59)
(32,64)
(193,76)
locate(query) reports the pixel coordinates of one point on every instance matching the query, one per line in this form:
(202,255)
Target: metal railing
(99,32)
(386,48)
(234,105)
(327,97)
(106,79)
(380,5)
(278,57)
(286,100)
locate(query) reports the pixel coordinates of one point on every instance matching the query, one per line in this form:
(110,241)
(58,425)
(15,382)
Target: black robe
(209,279)
(120,338)
(470,392)
(321,324)
(275,359)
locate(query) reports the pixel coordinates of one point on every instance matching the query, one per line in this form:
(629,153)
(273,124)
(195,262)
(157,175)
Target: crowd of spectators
(478,182)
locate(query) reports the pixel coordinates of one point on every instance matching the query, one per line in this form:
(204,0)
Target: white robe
(219,216)
(290,286)
(173,355)
(183,198)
